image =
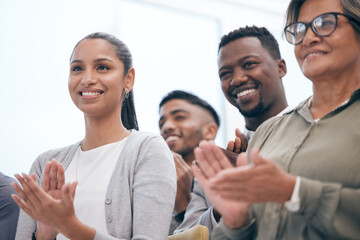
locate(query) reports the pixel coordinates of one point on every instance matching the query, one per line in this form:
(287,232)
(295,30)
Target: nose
(239,77)
(310,37)
(167,127)
(88,79)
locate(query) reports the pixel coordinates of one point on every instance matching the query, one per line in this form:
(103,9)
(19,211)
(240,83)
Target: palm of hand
(235,213)
(184,182)
(54,193)
(53,190)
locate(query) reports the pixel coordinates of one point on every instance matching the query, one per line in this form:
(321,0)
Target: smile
(314,54)
(245,92)
(90,92)
(171,138)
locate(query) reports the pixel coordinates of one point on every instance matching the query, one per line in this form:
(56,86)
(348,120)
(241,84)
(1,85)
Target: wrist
(288,187)
(75,229)
(42,234)
(235,223)
(239,220)
(180,206)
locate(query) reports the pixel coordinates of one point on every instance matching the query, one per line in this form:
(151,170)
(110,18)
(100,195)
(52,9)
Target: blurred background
(174,45)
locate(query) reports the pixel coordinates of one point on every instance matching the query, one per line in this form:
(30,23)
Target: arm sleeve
(154,191)
(199,211)
(331,208)
(9,210)
(222,232)
(26,225)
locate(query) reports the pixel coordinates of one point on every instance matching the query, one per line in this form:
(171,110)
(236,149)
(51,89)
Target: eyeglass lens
(322,26)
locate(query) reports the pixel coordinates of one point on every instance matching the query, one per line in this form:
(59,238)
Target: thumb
(198,175)
(230,146)
(33,177)
(73,189)
(66,193)
(237,132)
(241,160)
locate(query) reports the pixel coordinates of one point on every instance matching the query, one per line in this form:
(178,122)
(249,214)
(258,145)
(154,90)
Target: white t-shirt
(92,170)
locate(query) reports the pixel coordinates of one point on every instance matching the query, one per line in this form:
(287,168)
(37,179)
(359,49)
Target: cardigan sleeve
(154,190)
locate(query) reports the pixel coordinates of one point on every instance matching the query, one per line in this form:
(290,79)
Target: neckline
(310,101)
(123,136)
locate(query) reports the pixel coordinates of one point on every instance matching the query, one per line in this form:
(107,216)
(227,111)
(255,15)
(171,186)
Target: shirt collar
(304,110)
(248,133)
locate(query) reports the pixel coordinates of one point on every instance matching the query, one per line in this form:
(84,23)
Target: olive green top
(326,155)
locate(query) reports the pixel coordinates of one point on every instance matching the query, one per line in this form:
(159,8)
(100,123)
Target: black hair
(193,99)
(267,40)
(128,114)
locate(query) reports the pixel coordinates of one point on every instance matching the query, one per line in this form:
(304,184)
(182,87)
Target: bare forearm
(77,230)
(236,221)
(181,205)
(42,234)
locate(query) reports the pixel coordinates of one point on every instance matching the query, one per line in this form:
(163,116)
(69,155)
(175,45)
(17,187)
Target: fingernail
(195,162)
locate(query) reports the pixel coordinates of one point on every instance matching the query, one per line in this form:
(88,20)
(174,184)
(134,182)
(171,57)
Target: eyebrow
(239,60)
(96,60)
(175,112)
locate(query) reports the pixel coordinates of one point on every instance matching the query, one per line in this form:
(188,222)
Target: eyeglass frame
(310,24)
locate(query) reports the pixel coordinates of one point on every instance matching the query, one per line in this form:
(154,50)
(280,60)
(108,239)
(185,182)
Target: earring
(126,93)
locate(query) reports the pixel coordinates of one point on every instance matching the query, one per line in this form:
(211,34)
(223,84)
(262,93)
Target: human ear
(209,131)
(129,79)
(282,67)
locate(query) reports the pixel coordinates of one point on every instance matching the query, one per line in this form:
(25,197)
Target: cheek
(191,129)
(71,87)
(297,51)
(224,86)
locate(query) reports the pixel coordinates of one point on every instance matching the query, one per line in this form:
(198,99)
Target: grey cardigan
(141,193)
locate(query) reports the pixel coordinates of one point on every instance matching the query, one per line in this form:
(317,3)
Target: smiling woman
(132,173)
(302,183)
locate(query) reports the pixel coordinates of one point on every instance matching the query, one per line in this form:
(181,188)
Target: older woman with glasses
(303,181)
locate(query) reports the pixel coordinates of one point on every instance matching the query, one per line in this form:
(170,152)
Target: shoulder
(267,127)
(146,146)
(5,187)
(5,180)
(143,135)
(142,139)
(60,154)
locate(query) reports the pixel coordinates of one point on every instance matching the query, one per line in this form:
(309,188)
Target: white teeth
(317,53)
(90,93)
(243,93)
(171,138)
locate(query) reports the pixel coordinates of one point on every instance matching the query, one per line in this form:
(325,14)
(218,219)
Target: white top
(92,170)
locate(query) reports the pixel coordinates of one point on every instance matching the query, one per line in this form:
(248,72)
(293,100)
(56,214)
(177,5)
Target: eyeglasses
(323,25)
